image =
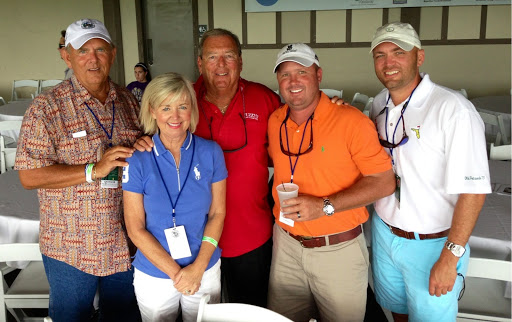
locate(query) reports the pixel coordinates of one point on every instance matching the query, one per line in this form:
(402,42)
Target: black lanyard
(184,183)
(292,167)
(109,136)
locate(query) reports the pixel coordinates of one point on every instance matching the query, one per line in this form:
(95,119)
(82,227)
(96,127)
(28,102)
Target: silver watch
(457,250)
(328,207)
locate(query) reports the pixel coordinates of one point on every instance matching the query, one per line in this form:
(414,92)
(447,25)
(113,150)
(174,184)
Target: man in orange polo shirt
(320,260)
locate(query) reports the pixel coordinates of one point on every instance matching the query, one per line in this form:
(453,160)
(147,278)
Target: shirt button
(390,124)
(298,131)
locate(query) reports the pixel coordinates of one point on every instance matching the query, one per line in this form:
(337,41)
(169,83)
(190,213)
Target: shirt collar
(420,94)
(159,146)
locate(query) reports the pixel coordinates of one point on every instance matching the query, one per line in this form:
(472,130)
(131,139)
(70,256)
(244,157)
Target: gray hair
(219,32)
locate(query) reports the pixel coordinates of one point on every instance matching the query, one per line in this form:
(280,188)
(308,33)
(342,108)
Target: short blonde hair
(157,91)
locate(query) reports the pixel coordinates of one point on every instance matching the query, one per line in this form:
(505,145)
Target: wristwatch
(457,250)
(328,207)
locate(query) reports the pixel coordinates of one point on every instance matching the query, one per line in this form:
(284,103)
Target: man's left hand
(443,275)
(304,208)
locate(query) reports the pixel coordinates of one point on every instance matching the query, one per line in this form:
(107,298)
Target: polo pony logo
(197,173)
(87,24)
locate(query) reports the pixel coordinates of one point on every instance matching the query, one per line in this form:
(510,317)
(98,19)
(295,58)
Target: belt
(311,242)
(411,235)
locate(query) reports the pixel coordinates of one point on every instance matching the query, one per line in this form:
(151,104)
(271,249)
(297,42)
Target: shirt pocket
(80,150)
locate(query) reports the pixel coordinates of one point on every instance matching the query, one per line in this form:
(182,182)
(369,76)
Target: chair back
(30,288)
(501,152)
(2,100)
(7,155)
(484,296)
(235,312)
(332,92)
(463,92)
(46,84)
(360,100)
(368,107)
(497,121)
(25,89)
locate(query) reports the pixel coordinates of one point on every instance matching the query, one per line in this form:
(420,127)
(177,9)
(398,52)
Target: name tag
(79,134)
(178,242)
(285,220)
(111,181)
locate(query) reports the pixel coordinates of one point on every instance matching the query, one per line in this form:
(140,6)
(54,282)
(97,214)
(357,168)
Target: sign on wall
(311,5)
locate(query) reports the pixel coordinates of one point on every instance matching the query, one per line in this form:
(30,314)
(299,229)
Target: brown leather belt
(410,234)
(311,242)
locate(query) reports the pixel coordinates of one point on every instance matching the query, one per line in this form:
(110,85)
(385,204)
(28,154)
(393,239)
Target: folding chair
(46,84)
(484,296)
(30,288)
(7,155)
(497,121)
(332,92)
(235,312)
(501,152)
(359,100)
(26,87)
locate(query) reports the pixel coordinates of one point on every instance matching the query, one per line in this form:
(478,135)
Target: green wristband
(210,240)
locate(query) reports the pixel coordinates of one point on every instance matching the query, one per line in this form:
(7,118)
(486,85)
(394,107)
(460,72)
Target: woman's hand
(188,279)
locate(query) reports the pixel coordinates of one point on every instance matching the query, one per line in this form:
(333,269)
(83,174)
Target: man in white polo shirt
(436,141)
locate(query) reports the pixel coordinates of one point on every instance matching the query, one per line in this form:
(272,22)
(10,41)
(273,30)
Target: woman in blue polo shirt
(174,205)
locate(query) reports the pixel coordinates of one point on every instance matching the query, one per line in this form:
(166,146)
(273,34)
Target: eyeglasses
(61,46)
(245,131)
(288,152)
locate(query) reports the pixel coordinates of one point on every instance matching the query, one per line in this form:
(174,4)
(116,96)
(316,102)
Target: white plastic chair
(46,84)
(7,155)
(484,297)
(30,288)
(2,100)
(31,86)
(501,152)
(368,107)
(497,121)
(463,92)
(235,312)
(359,99)
(332,92)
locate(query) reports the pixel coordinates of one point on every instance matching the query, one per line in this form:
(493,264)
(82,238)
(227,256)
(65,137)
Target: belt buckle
(302,238)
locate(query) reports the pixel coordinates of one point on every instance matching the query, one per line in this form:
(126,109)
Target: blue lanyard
(109,136)
(397,123)
(292,168)
(173,204)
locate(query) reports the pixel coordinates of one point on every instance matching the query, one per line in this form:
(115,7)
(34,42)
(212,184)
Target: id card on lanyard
(111,181)
(176,236)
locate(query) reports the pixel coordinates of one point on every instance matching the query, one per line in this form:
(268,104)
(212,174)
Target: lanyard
(397,123)
(98,120)
(184,183)
(292,168)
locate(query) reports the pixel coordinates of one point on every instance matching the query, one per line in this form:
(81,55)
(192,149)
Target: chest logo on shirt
(196,172)
(252,116)
(417,131)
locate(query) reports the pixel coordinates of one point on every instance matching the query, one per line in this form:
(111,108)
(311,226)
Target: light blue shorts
(401,271)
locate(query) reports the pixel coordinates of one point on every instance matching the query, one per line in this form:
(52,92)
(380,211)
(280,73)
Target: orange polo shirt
(345,148)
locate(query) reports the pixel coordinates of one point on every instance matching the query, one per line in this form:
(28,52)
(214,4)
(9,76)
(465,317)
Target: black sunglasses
(288,152)
(61,46)
(245,130)
(404,139)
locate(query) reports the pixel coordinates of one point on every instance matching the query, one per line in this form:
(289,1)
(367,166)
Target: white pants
(159,300)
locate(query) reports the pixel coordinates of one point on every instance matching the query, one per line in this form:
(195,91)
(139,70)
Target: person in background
(320,258)
(73,140)
(174,205)
(62,47)
(420,233)
(143,77)
(234,112)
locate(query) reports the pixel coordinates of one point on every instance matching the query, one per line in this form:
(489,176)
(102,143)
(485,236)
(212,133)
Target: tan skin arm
(135,219)
(189,277)
(465,215)
(365,191)
(62,175)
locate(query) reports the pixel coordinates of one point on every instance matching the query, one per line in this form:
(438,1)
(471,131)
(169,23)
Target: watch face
(329,209)
(458,250)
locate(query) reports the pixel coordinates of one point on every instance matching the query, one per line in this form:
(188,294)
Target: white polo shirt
(445,156)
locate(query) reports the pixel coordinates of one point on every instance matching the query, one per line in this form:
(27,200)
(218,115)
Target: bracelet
(88,172)
(94,173)
(210,240)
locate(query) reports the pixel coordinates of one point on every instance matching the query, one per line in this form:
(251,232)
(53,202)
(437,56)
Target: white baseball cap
(83,30)
(298,53)
(399,33)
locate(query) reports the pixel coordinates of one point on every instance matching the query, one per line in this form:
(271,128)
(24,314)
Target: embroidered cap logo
(87,24)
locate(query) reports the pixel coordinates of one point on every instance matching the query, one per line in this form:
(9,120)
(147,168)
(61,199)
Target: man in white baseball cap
(420,233)
(73,141)
(320,259)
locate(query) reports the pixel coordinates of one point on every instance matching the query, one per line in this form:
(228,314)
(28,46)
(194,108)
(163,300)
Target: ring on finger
(188,291)
(298,215)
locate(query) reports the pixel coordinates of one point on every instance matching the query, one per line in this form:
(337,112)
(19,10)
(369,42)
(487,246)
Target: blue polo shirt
(144,175)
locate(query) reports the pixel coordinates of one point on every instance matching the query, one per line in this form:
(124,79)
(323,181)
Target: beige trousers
(326,283)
